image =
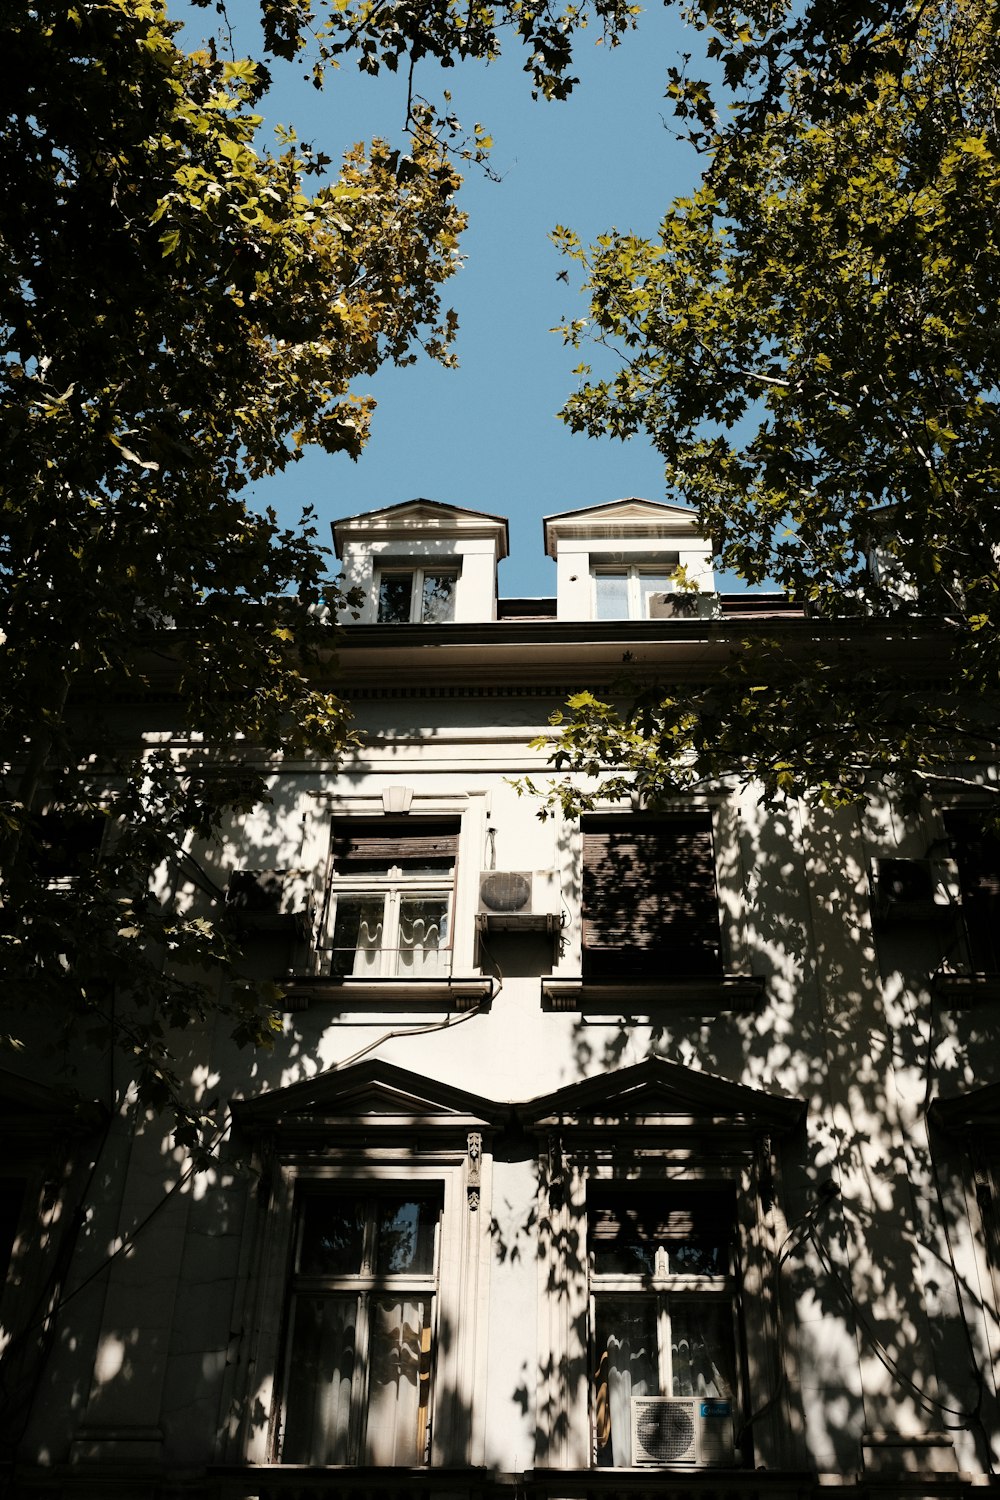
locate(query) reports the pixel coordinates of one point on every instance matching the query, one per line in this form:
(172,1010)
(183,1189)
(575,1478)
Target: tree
(812,345)
(180,312)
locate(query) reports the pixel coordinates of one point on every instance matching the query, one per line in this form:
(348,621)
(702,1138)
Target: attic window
(416,595)
(630,592)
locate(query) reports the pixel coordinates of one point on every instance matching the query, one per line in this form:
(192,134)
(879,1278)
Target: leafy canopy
(180,312)
(811,343)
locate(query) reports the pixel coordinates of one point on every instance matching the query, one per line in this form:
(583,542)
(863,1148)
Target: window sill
(711,992)
(966,989)
(334,1481)
(441,993)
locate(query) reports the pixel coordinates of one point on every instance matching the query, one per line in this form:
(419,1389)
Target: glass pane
(406,1236)
(333,1234)
(438,604)
(701,1347)
(611,596)
(651,583)
(625,1366)
(395,592)
(399,1379)
(320,1372)
(357,934)
(423,934)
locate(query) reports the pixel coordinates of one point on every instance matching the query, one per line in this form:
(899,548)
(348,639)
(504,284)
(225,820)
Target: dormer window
(629,592)
(416,596)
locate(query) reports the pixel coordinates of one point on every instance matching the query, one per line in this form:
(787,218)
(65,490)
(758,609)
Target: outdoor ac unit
(269,900)
(693,1430)
(914,889)
(525,900)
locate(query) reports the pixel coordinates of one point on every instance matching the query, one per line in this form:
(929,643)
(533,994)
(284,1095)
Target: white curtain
(627,1367)
(701,1358)
(398,1380)
(423,937)
(321,1369)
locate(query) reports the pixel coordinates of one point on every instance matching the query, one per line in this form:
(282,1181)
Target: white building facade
(640,1151)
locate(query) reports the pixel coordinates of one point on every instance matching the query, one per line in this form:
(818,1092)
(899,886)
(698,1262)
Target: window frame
(393,885)
(660,1288)
(367,1284)
(659,1123)
(733,987)
(636,598)
(417,573)
(379,1125)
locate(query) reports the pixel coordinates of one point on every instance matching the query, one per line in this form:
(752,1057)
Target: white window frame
(565,1352)
(395,887)
(730,880)
(366,1284)
(661,1287)
(472,809)
(633,574)
(463,1266)
(416,573)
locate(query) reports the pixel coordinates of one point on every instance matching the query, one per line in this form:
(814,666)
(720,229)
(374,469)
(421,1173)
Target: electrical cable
(879,1349)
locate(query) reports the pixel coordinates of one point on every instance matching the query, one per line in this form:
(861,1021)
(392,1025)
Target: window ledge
(966,989)
(334,1482)
(303,990)
(715,992)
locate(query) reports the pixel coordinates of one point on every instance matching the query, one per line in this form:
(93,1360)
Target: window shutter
(675,1216)
(976,848)
(650,901)
(384,844)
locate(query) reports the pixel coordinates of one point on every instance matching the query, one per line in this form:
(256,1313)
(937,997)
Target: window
(416,596)
(976,851)
(391,899)
(662,1315)
(67,844)
(630,593)
(650,904)
(361,1329)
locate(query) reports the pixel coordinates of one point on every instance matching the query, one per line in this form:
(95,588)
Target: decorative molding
(473,1179)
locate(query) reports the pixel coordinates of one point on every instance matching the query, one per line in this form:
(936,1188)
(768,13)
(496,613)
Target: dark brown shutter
(976,849)
(620,1219)
(384,843)
(649,899)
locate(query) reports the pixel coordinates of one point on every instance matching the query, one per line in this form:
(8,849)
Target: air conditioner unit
(913,890)
(522,900)
(694,1430)
(270,900)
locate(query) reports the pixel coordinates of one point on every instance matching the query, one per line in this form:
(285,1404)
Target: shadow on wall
(873,1277)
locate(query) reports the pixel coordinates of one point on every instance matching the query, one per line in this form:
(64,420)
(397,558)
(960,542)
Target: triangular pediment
(620,521)
(668,1094)
(431,518)
(632,508)
(374,1094)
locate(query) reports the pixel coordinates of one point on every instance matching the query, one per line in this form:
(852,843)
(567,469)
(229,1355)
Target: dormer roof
(428,517)
(620,520)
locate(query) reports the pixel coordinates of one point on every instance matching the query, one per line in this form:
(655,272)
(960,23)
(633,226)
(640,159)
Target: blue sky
(486,435)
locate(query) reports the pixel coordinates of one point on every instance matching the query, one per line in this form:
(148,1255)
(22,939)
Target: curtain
(423,936)
(701,1349)
(398,1380)
(627,1367)
(321,1369)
